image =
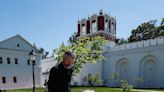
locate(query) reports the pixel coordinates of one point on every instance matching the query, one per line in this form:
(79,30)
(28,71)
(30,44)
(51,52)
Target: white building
(15,66)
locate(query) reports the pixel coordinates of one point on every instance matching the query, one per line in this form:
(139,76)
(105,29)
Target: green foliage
(162,21)
(126,87)
(95,79)
(121,41)
(160,31)
(144,31)
(147,30)
(85,49)
(114,77)
(44,53)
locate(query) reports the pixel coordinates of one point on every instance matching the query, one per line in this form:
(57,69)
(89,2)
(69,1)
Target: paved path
(140,90)
(146,90)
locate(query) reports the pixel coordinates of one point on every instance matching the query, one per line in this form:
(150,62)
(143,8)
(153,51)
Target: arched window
(94,26)
(106,24)
(83,29)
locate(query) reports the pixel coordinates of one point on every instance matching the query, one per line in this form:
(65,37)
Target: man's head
(68,59)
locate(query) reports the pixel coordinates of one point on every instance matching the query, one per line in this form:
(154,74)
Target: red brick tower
(100,24)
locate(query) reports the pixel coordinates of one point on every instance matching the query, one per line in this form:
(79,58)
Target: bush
(95,80)
(126,87)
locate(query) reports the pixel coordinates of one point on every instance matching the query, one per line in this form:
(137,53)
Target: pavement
(146,90)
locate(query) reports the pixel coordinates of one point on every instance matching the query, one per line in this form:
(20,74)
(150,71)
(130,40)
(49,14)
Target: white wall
(135,56)
(46,65)
(88,68)
(133,53)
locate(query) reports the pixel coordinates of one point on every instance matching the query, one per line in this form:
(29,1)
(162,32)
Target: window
(83,30)
(3,79)
(16,61)
(1,60)
(106,25)
(18,45)
(28,62)
(8,60)
(15,79)
(94,27)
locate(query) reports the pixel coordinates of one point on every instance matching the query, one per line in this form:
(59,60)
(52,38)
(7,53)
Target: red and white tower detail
(100,24)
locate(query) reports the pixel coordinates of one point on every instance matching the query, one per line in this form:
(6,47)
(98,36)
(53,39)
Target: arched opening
(124,71)
(148,68)
(123,68)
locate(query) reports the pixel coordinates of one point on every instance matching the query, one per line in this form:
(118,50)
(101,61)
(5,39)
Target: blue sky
(48,23)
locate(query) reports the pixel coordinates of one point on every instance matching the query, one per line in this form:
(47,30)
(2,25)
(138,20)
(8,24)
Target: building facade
(15,66)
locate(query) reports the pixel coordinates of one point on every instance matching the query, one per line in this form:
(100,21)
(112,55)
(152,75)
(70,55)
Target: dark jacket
(59,79)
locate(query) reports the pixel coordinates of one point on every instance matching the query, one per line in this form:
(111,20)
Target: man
(60,75)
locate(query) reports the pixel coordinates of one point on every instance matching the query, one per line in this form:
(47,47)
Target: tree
(44,53)
(121,41)
(162,22)
(86,50)
(41,50)
(72,38)
(160,29)
(144,31)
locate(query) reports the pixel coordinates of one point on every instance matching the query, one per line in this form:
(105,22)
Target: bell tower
(101,24)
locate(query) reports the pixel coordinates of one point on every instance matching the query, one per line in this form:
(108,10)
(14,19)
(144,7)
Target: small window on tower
(106,25)
(94,27)
(83,30)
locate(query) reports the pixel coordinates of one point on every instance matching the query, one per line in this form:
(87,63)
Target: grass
(80,89)
(75,89)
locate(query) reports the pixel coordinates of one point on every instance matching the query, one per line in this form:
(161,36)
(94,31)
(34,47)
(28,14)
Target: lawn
(80,89)
(76,89)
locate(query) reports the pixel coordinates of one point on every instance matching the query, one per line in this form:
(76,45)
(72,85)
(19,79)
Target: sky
(48,23)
